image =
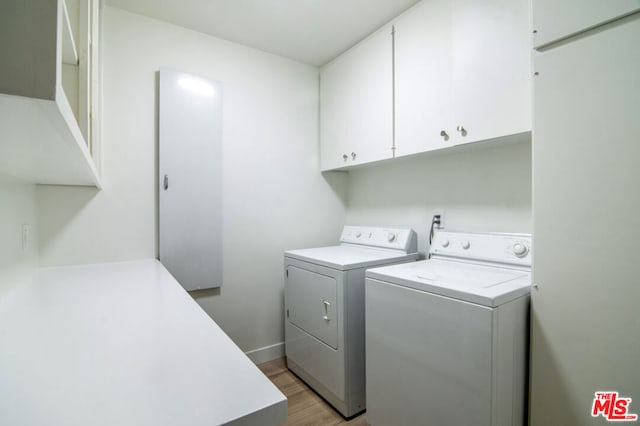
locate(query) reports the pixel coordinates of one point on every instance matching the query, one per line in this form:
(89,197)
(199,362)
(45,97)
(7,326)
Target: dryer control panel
(390,238)
(510,249)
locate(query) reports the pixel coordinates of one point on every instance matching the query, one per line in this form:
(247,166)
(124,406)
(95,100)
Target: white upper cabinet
(462,73)
(356,104)
(554,20)
(423,78)
(491,51)
(48,91)
(458,71)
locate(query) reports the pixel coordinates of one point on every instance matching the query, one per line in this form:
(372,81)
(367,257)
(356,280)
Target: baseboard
(267,353)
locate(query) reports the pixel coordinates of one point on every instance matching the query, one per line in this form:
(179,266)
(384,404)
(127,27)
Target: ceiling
(309,31)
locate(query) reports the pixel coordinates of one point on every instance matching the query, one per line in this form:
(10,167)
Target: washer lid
(485,285)
(346,257)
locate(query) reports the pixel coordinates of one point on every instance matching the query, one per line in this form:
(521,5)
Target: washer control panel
(501,248)
(392,238)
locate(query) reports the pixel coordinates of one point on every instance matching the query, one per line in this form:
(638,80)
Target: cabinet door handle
(444,134)
(353,155)
(345,157)
(327,305)
(166,182)
(462,130)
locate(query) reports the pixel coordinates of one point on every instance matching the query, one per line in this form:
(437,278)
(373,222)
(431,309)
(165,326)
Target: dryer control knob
(444,243)
(358,234)
(520,249)
(391,237)
(466,245)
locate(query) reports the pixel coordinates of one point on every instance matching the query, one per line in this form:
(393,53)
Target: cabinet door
(423,78)
(554,20)
(356,115)
(491,68)
(190,179)
(585,216)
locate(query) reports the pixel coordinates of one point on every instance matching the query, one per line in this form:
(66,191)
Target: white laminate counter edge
(123,343)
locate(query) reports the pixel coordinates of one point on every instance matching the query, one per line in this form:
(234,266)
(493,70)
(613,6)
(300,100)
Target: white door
(190,179)
(554,20)
(586,199)
(356,112)
(423,78)
(491,69)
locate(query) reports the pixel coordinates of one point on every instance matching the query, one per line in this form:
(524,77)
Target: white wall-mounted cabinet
(356,104)
(423,78)
(491,88)
(554,20)
(49,91)
(461,74)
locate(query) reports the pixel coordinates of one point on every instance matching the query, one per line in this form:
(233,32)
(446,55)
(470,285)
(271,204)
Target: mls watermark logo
(612,407)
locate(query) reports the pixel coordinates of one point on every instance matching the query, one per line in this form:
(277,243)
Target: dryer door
(311,304)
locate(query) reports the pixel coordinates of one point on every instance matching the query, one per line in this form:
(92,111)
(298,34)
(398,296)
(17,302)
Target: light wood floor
(305,407)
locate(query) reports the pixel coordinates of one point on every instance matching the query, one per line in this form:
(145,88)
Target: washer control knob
(466,245)
(520,249)
(391,237)
(444,243)
(358,234)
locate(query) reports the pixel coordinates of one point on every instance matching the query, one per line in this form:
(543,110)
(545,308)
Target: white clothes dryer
(447,337)
(324,309)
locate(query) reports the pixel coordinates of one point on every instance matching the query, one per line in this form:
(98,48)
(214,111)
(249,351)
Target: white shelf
(40,142)
(40,138)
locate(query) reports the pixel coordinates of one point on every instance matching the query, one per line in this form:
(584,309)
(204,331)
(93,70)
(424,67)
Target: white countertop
(122,344)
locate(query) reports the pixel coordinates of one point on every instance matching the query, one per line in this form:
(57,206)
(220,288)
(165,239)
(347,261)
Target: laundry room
(402,132)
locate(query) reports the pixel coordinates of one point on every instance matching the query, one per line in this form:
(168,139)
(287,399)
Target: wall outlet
(25,237)
(439,212)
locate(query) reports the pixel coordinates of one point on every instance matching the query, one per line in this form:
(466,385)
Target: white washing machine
(324,309)
(447,337)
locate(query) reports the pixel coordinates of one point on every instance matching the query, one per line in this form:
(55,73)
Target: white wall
(17,208)
(479,187)
(274,198)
